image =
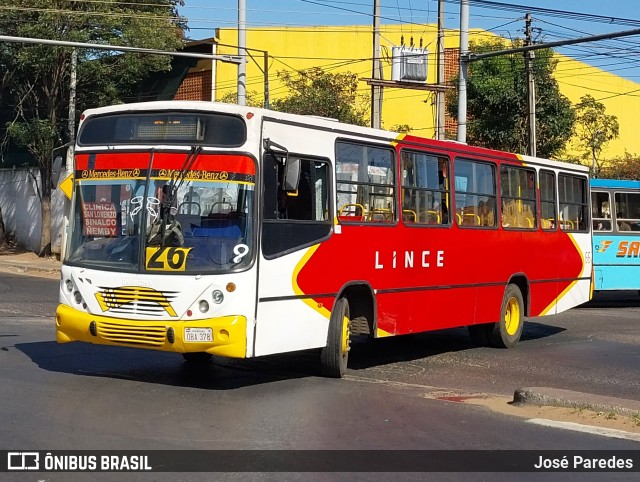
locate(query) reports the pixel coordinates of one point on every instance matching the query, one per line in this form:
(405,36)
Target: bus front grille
(136,300)
(152,335)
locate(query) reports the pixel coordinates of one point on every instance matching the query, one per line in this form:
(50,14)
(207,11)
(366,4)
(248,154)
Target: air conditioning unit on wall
(409,64)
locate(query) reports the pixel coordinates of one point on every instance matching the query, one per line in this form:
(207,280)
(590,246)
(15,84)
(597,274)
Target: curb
(23,268)
(567,398)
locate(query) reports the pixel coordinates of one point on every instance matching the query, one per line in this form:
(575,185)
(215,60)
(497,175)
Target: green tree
(401,128)
(316,92)
(625,167)
(252,98)
(34,84)
(594,128)
(497,102)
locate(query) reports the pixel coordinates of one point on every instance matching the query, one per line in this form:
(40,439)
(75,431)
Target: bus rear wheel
(506,332)
(334,356)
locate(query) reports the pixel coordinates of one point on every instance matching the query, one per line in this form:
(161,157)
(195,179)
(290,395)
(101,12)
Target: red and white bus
(213,229)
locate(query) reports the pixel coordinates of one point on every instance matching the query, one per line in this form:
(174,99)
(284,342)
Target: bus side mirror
(291,174)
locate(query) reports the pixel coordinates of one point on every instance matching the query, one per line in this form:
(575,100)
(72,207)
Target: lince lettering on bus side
(409,259)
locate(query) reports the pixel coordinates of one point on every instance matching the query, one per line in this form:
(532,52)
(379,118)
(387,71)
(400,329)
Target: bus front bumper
(228,333)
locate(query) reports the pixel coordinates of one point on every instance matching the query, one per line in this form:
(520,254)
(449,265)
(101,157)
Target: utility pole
(242,53)
(440,109)
(214,51)
(71,131)
(71,123)
(376,74)
(265,57)
(462,78)
(531,87)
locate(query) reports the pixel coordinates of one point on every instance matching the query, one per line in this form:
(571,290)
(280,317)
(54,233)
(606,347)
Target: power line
(552,12)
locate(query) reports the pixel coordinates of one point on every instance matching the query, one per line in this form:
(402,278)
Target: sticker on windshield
(100,219)
(153,207)
(240,250)
(166,258)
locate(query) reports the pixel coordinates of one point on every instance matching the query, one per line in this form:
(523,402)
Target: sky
(553,20)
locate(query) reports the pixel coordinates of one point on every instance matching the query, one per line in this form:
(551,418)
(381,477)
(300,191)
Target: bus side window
(573,194)
(601,225)
(296,219)
(365,180)
(310,201)
(425,188)
(475,193)
(627,211)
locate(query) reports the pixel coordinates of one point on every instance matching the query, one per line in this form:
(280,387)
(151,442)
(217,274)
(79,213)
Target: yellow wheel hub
(346,334)
(512,316)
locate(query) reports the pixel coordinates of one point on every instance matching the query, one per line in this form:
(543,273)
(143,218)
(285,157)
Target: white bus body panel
(286,322)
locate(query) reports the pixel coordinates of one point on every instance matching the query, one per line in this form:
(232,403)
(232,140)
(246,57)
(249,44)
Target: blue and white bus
(615,206)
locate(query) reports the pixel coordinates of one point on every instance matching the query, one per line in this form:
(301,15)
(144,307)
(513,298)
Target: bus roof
(320,122)
(615,183)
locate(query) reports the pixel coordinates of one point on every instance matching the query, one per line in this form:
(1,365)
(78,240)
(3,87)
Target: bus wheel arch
(362,307)
(506,332)
(521,281)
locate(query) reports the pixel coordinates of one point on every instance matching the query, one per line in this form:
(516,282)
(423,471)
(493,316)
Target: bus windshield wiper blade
(176,181)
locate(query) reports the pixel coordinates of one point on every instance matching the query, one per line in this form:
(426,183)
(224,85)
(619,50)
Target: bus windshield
(184,220)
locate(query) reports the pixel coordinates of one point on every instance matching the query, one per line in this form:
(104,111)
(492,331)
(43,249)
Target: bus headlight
(69,285)
(217,296)
(203,306)
(77,297)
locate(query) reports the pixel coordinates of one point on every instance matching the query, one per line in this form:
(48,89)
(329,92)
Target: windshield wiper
(177,178)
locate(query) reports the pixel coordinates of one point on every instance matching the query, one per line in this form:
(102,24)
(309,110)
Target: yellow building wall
(620,96)
(349,48)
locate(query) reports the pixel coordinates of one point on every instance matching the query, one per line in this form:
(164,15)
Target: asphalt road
(78,396)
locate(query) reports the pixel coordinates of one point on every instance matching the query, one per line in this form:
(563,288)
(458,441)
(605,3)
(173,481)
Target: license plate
(197,335)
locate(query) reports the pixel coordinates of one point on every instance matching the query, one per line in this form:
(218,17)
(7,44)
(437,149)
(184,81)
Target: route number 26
(166,258)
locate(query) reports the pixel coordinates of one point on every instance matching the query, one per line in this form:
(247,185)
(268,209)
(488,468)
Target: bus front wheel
(334,356)
(506,332)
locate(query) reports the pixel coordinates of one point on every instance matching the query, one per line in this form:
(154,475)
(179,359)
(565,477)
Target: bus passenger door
(294,220)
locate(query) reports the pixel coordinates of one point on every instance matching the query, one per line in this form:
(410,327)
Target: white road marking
(577,427)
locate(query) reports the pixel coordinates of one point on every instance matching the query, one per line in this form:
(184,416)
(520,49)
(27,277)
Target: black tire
(479,334)
(335,356)
(199,357)
(506,332)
